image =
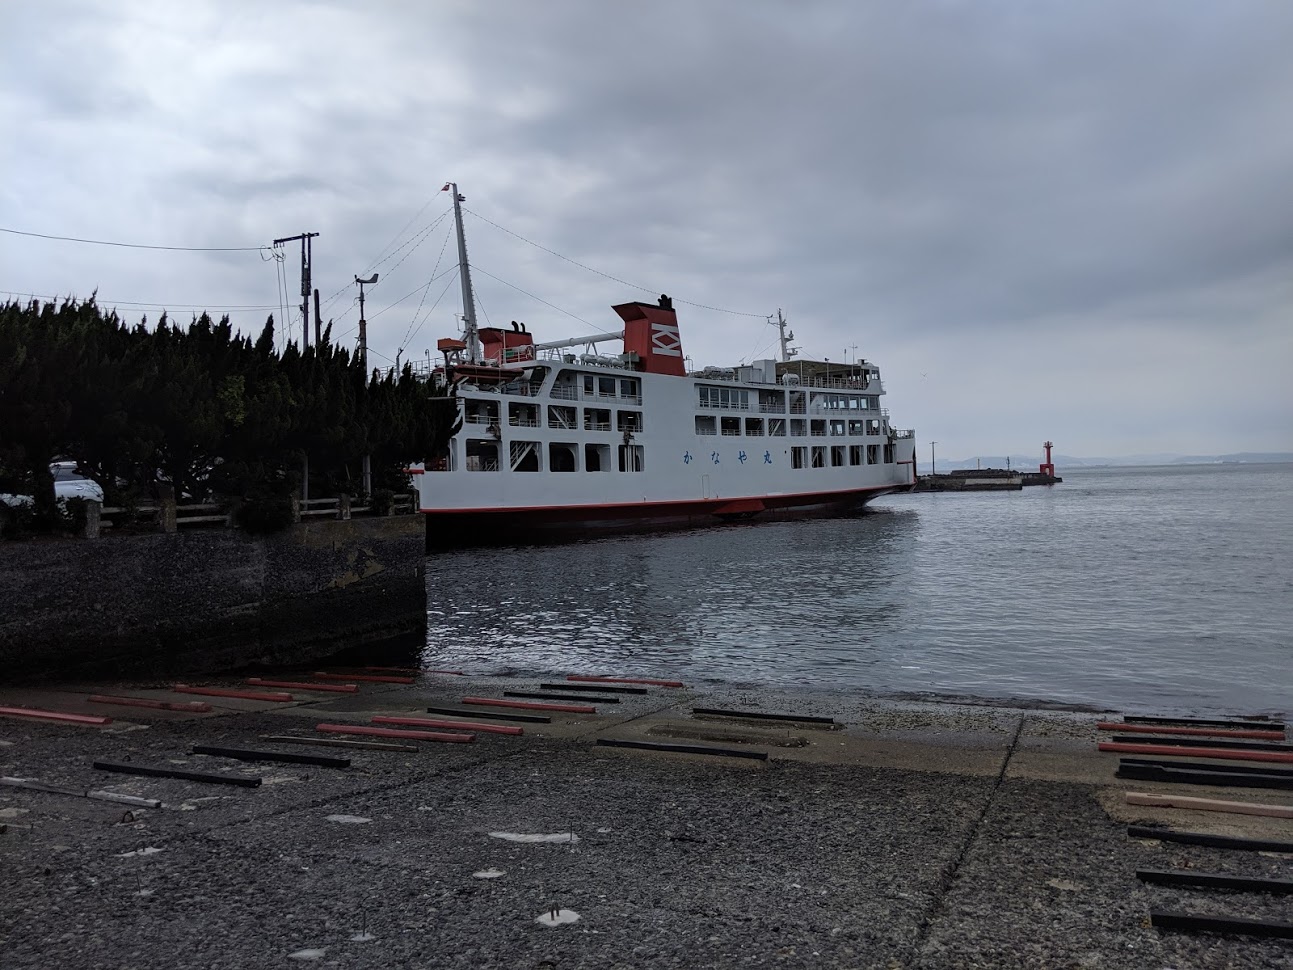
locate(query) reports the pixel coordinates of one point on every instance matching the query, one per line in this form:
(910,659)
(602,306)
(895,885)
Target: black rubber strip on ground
(203,776)
(594,688)
(1206,838)
(494,715)
(1214,880)
(538,695)
(759,715)
(1220,924)
(684,748)
(1252,724)
(1217,779)
(1229,767)
(285,757)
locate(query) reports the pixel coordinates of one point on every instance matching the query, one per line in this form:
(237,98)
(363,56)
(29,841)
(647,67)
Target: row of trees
(200,408)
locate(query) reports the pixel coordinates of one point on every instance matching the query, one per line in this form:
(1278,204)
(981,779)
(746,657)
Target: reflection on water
(1146,589)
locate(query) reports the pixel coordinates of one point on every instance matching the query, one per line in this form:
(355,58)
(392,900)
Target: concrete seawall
(209,600)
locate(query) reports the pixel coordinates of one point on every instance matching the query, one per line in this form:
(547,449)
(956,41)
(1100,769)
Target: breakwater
(209,599)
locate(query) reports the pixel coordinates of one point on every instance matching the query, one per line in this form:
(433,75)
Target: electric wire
(533,297)
(616,279)
(123,245)
(408,332)
(452,279)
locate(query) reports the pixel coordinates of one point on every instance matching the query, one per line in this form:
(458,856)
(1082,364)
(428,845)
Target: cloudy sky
(1042,219)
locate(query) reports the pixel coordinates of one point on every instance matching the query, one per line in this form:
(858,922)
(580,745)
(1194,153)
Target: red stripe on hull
(476,526)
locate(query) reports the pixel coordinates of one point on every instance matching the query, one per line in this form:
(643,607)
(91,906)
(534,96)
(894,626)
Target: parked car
(68,483)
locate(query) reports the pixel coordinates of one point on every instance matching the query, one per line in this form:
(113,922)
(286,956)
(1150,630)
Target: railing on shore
(170,516)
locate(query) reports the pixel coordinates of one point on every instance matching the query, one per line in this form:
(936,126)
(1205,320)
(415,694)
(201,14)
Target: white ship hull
(567,444)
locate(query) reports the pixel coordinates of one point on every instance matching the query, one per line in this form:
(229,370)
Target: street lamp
(932,471)
(363,324)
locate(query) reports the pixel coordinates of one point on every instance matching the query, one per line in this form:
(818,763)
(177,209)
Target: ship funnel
(651,332)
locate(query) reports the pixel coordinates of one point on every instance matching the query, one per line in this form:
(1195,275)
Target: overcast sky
(1041,219)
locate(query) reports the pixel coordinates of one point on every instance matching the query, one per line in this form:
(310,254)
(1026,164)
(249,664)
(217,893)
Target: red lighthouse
(1046,467)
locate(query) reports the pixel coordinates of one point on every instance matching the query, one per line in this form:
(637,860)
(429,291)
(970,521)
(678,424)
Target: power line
(533,297)
(615,279)
(122,245)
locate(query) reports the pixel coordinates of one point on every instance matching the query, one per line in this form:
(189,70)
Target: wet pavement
(909,834)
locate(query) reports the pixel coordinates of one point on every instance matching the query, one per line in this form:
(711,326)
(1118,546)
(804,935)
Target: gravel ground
(915,835)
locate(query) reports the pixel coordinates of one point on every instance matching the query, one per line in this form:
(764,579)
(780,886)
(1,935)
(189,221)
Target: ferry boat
(567,437)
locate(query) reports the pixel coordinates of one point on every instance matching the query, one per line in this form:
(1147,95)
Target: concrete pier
(910,834)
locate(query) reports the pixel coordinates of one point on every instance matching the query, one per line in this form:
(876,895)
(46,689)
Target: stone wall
(205,600)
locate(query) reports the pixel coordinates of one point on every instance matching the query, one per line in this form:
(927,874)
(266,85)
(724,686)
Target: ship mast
(787,351)
(464,275)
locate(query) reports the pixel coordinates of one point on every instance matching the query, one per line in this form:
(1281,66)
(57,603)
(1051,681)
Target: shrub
(265,514)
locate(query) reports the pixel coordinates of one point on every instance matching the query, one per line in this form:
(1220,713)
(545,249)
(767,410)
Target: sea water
(1166,589)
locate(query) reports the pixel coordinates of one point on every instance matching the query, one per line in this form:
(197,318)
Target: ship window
(524,456)
(754,426)
(857,427)
(561,416)
(630,458)
(731,427)
(797,405)
(561,456)
(731,398)
(628,420)
(441,459)
(819,456)
(523,415)
(798,457)
(798,428)
(706,424)
(872,426)
(872,454)
(589,385)
(482,455)
(888,454)
(597,419)
(855,454)
(605,387)
(777,427)
(597,458)
(837,429)
(772,402)
(630,389)
(819,427)
(837,456)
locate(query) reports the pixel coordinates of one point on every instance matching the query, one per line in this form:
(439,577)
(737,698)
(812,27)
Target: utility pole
(932,469)
(307,261)
(363,324)
(367,472)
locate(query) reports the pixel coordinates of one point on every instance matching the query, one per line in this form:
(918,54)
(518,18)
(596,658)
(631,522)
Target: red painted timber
(370,678)
(1220,754)
(624,680)
(464,725)
(96,719)
(392,733)
(293,685)
(528,706)
(247,695)
(194,707)
(1190,731)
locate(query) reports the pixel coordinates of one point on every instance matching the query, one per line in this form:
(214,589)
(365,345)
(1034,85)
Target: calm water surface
(1153,589)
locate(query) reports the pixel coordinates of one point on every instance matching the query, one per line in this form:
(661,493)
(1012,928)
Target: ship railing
(524,389)
(800,408)
(599,396)
(566,392)
(597,426)
(905,433)
(480,419)
(772,409)
(798,433)
(731,432)
(631,398)
(524,422)
(710,431)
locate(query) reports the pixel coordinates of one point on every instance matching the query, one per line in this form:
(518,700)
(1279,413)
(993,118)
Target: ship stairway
(520,451)
(558,419)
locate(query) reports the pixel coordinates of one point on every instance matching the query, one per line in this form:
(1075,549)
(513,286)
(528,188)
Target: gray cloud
(1062,215)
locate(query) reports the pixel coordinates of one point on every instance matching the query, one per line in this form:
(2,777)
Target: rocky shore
(909,834)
